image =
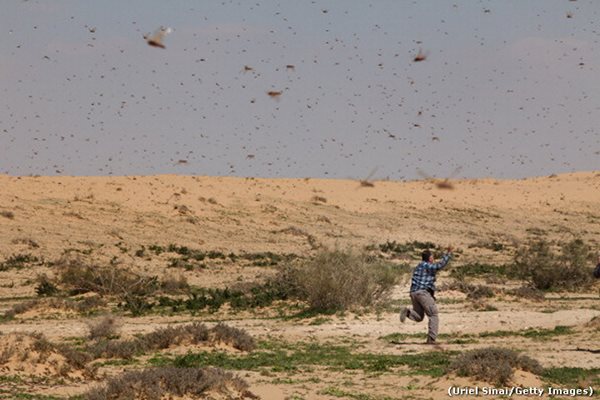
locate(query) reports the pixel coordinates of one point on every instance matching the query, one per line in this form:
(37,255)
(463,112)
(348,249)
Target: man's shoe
(403,314)
(433,344)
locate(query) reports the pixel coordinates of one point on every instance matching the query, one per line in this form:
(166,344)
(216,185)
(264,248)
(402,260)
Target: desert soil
(107,219)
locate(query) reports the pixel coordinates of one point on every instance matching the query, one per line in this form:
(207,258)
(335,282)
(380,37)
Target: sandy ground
(109,218)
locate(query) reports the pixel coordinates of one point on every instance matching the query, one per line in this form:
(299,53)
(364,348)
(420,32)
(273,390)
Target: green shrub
(545,269)
(479,269)
(45,287)
(258,295)
(136,304)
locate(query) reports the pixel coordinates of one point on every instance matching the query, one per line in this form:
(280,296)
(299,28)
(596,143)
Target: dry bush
(493,364)
(7,214)
(339,280)
(318,199)
(27,353)
(164,338)
(76,359)
(105,327)
(89,303)
(594,323)
(80,277)
(26,241)
(527,292)
(237,338)
(21,308)
(546,269)
(166,382)
(125,349)
(174,285)
(285,282)
(473,292)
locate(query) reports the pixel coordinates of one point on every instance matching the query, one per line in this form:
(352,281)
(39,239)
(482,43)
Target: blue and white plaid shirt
(424,274)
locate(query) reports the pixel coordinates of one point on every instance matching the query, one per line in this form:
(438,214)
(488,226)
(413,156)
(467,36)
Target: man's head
(427,256)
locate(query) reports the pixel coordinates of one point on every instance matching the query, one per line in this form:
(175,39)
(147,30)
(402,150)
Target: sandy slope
(250,214)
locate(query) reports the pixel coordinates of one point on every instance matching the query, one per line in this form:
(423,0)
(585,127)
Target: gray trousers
(424,304)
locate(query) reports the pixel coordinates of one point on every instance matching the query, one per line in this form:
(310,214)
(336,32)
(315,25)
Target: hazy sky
(508,88)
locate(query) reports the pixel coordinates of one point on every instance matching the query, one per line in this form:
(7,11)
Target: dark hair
(425,255)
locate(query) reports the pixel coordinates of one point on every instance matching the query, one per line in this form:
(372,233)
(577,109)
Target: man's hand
(449,249)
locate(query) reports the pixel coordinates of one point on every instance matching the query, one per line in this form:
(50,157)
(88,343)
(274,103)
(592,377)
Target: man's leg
(427,303)
(418,312)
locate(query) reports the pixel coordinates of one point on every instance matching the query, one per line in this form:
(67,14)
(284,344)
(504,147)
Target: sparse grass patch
(495,365)
(479,270)
(452,338)
(28,396)
(408,249)
(253,296)
(191,259)
(532,333)
(26,241)
(457,338)
(527,292)
(268,258)
(573,377)
(336,392)
(489,244)
(20,261)
(80,305)
(279,356)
